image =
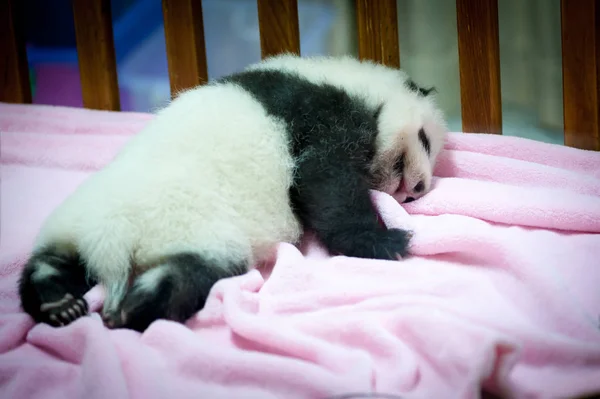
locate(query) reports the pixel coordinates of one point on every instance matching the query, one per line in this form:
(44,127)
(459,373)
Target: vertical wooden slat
(479,65)
(186,49)
(278,26)
(96,54)
(14,73)
(377,23)
(581,72)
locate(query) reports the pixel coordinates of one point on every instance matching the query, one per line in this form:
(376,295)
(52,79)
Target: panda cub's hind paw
(172,291)
(64,311)
(113,319)
(146,301)
(52,286)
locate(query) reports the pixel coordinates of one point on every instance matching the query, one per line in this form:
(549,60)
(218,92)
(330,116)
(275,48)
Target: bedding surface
(503,288)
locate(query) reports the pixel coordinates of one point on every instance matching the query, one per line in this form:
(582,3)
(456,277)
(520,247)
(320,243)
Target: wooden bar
(377,23)
(479,65)
(14,72)
(278,26)
(186,48)
(96,54)
(581,69)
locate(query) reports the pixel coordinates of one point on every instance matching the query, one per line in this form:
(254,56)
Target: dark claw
(65,311)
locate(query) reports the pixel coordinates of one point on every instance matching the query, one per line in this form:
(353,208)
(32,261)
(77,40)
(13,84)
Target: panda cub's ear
(421,90)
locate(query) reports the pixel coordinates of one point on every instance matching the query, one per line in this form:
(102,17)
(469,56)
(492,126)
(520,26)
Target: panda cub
(226,172)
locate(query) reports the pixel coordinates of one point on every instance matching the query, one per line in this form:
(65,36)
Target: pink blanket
(503,288)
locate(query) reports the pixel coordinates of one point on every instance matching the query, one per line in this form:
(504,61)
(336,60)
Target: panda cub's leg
(332,198)
(174,290)
(52,286)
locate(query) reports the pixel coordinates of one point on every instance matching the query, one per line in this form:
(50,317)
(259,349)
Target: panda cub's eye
(399,165)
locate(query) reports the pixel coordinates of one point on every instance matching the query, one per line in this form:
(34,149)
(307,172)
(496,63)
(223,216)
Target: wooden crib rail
(581,72)
(479,65)
(96,54)
(186,49)
(479,56)
(14,75)
(377,25)
(279,27)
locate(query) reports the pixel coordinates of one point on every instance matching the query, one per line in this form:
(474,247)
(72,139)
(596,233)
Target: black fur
(332,138)
(399,165)
(181,291)
(377,111)
(64,289)
(425,141)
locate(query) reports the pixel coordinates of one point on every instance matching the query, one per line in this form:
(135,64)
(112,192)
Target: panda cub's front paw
(382,244)
(391,244)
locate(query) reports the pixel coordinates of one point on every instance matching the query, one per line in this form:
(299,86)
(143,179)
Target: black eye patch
(399,165)
(424,141)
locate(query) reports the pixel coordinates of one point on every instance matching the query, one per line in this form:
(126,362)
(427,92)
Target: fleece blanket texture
(502,289)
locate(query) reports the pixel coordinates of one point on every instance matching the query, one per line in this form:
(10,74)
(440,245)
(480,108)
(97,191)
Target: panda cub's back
(212,169)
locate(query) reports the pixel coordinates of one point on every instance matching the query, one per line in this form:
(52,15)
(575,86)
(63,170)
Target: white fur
(43,272)
(149,280)
(194,179)
(211,174)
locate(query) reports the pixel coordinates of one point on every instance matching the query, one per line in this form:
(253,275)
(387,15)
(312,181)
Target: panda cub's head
(411,133)
(410,127)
